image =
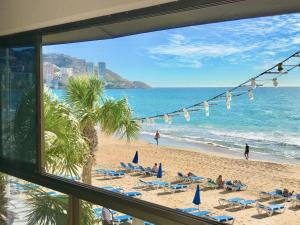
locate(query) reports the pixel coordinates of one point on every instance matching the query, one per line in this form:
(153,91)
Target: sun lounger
(148,223)
(110,173)
(187,210)
(277,193)
(234,187)
(181,177)
(133,194)
(295,200)
(222,219)
(153,184)
(125,167)
(201,213)
(134,168)
(189,179)
(243,203)
(270,209)
(121,219)
(210,183)
(111,188)
(175,187)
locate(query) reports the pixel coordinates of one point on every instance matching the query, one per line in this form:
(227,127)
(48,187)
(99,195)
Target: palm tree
(65,151)
(84,95)
(65,148)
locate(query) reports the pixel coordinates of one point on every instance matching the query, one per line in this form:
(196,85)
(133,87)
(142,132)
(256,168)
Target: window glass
(195,118)
(24,203)
(18,104)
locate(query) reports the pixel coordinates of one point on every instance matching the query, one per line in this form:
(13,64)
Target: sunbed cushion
(122,218)
(222,218)
(187,210)
(200,213)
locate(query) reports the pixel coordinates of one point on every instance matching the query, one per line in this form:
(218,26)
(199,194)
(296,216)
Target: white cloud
(235,41)
(296,40)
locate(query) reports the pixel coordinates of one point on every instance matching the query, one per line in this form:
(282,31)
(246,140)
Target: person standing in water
(156,137)
(247,151)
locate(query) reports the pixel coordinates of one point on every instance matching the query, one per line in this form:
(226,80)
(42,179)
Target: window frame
(158,214)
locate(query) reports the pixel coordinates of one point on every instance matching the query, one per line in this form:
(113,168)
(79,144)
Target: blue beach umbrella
(136,158)
(197,199)
(159,173)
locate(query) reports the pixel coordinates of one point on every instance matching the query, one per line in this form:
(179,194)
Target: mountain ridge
(112,80)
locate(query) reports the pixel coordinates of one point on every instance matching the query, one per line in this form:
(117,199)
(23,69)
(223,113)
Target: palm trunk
(90,133)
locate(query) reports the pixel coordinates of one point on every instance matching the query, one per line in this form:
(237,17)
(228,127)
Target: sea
(269,124)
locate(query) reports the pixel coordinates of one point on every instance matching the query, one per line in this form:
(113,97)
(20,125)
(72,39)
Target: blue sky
(220,54)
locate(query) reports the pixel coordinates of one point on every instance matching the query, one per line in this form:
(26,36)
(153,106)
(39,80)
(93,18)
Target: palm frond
(65,147)
(115,116)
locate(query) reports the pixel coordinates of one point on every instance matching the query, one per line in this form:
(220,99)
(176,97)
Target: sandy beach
(258,175)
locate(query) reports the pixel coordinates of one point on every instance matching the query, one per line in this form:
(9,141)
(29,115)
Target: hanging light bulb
(279,67)
(275,82)
(186,114)
(206,108)
(250,94)
(228,100)
(253,83)
(166,118)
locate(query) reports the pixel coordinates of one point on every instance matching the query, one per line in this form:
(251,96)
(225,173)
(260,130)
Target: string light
(250,94)
(206,108)
(275,82)
(228,94)
(186,114)
(280,67)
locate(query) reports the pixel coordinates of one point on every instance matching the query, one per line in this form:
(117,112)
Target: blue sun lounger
(236,202)
(133,194)
(187,210)
(277,193)
(234,187)
(148,223)
(295,200)
(126,167)
(201,213)
(270,209)
(121,219)
(175,187)
(222,219)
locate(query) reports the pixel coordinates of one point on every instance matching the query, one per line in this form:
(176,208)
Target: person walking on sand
(247,151)
(156,137)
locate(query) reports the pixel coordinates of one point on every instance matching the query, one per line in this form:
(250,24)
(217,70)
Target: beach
(257,174)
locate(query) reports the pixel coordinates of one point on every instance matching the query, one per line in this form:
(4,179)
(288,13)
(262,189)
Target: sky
(212,55)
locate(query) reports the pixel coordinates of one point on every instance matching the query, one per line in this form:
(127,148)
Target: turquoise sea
(270,123)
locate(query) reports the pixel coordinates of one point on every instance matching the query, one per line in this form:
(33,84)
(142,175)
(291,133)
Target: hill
(112,80)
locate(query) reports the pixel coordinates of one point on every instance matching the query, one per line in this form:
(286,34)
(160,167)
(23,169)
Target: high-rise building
(101,70)
(90,68)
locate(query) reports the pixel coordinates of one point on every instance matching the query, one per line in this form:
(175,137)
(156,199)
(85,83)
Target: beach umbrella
(159,172)
(136,158)
(197,199)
